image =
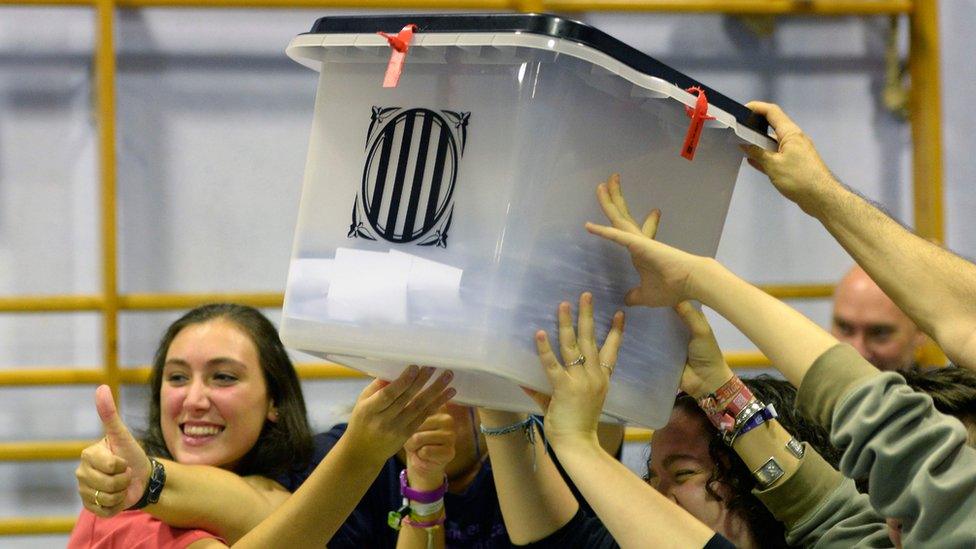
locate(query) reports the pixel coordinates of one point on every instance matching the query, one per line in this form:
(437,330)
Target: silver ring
(95,499)
(578,362)
(609,367)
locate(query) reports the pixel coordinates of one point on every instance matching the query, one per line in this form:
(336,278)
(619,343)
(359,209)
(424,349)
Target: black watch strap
(157,479)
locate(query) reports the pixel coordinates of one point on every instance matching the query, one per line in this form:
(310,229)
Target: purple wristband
(418,496)
(764,415)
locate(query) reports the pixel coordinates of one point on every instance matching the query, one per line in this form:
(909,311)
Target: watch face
(768,473)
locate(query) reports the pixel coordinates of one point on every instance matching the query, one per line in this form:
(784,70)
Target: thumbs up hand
(114,471)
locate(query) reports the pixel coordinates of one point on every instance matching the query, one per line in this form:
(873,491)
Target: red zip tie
(400,43)
(698,117)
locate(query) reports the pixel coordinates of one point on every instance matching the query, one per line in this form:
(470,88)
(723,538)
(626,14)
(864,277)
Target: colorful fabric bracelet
(425,524)
(764,413)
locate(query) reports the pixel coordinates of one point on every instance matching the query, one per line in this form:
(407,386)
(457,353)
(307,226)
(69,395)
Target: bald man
(867,319)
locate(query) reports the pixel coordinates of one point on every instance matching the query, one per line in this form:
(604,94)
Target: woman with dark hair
(284,444)
(226,413)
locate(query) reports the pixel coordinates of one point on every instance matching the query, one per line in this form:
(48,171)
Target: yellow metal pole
(50,303)
(51,376)
(769,7)
(149,302)
(925,105)
(36,525)
(105,93)
(69,450)
(741,7)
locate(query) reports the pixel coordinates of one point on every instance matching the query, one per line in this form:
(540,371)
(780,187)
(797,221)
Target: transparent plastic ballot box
(441,220)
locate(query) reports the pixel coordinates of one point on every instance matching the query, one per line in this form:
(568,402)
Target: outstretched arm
(669,276)
(634,513)
(934,287)
(196,496)
(534,499)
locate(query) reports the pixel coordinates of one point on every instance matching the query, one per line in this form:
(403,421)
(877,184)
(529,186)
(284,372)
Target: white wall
(212,132)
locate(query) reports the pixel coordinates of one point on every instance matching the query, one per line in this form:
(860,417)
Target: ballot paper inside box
(441,220)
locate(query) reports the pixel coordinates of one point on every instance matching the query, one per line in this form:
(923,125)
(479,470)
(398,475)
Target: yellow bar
(61,450)
(925,106)
(327,371)
(177,301)
(148,302)
(741,7)
(36,525)
(50,303)
(306,370)
(798,291)
(768,7)
(51,376)
(637,434)
(105,99)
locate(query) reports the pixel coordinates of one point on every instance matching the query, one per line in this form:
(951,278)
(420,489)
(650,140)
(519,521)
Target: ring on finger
(609,367)
(578,362)
(95,499)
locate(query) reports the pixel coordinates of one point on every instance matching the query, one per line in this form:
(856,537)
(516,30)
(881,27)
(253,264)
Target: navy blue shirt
(474,519)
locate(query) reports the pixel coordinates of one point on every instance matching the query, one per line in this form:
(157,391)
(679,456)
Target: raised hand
(114,471)
(429,450)
(386,414)
(580,387)
(796,169)
(706,369)
(666,273)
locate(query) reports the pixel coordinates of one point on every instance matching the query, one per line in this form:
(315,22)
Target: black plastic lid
(546,25)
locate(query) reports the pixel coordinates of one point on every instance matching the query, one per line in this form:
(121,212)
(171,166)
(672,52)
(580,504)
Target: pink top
(130,529)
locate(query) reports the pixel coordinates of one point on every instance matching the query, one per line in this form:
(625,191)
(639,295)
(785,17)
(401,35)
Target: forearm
(534,503)
(413,536)
(931,285)
(313,514)
(634,513)
(212,499)
(790,340)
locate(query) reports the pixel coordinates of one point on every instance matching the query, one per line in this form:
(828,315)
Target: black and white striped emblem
(409,176)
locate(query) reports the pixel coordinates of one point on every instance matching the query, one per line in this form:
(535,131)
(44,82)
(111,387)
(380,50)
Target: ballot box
(441,218)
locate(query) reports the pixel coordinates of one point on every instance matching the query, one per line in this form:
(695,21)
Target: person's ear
(272,412)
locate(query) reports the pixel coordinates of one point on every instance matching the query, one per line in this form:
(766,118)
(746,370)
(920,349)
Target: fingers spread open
(611,345)
(383,394)
(612,233)
(587,340)
(568,347)
(617,197)
(547,358)
(649,228)
(427,401)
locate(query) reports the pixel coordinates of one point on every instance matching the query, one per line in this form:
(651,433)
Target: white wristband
(426,509)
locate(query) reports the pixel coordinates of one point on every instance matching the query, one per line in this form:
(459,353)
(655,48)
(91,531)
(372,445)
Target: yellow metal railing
(927,176)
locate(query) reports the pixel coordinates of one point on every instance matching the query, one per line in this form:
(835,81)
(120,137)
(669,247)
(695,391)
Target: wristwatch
(157,479)
(768,473)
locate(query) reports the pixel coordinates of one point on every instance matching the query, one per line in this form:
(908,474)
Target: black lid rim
(542,24)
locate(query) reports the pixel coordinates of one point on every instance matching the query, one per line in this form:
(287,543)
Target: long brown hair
(283,445)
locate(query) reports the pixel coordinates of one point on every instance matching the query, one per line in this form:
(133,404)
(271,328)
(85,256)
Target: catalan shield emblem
(409,176)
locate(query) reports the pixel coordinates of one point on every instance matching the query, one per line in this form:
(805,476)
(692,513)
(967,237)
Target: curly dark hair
(733,474)
(284,445)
